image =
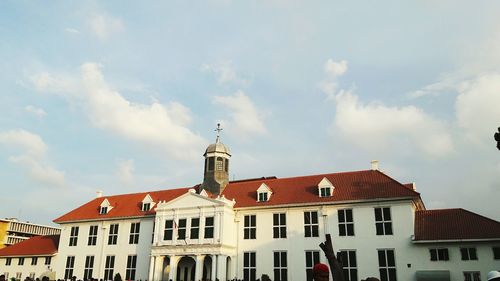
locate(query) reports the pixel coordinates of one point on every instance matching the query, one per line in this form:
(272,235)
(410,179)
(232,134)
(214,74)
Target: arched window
(211,163)
(219,164)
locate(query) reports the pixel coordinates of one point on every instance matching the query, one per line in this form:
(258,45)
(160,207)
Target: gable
(188,200)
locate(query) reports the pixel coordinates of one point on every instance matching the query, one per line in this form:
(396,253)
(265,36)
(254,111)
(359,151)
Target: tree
(118,277)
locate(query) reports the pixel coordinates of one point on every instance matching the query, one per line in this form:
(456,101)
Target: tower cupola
(216,171)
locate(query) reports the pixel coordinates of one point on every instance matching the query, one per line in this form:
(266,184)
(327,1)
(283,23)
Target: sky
(124,96)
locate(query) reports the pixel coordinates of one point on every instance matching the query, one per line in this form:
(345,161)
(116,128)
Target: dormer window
(105,207)
(264,193)
(147,203)
(262,196)
(325,188)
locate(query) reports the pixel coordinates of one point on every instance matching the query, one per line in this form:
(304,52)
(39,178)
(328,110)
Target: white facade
(32,266)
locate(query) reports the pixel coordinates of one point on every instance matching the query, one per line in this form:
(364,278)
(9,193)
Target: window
(325,192)
(18,275)
(250,227)
(32,275)
(181,230)
(109,267)
(468,254)
(249,268)
(92,235)
(20,261)
(387,265)
(280,266)
(34,260)
(103,210)
(349,264)
(439,254)
(279,225)
(135,228)
(209,227)
(472,276)
(262,196)
(113,234)
(496,253)
(169,230)
(211,163)
(8,261)
(146,207)
(70,264)
(89,267)
(312,258)
(6,275)
(311,228)
(219,164)
(346,223)
(383,221)
(195,228)
(131,264)
(73,238)
(48,260)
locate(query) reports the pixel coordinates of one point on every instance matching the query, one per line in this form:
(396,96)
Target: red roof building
(35,246)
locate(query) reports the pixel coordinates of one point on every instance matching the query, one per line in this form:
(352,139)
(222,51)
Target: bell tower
(216,171)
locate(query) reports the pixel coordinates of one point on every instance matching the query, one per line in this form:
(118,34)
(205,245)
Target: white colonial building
(227,230)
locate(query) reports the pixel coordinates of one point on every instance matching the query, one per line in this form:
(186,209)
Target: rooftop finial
(218,129)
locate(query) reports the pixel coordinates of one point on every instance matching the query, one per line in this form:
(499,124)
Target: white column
(199,267)
(221,267)
(173,267)
(158,276)
(156,231)
(151,268)
(214,267)
(218,226)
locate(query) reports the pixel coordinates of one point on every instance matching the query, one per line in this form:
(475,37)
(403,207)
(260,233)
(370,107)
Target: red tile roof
(35,246)
(349,186)
(454,224)
(124,205)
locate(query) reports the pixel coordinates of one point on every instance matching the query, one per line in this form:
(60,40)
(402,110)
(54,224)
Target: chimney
(374,165)
(99,194)
(414,186)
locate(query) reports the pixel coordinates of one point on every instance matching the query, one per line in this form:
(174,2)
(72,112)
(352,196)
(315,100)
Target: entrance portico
(203,262)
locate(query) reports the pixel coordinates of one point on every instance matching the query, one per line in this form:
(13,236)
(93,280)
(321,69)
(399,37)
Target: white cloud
(39,112)
(245,120)
(156,124)
(31,143)
(71,30)
(33,157)
(335,69)
(125,171)
(478,107)
(375,126)
(162,126)
(224,73)
(104,26)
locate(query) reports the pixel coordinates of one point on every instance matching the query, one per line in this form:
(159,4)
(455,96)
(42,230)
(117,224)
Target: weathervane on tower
(218,129)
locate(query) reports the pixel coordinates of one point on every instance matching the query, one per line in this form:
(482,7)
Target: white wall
(26,269)
(121,250)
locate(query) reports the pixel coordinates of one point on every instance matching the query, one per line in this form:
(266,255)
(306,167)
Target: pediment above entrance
(193,200)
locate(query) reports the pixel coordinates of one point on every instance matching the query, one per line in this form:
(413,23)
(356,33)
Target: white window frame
(279,225)
(70,265)
(441,254)
(131,267)
(135,229)
(92,241)
(73,238)
(345,225)
(113,234)
(472,276)
(109,268)
(385,221)
(314,257)
(281,271)
(311,228)
(387,268)
(468,253)
(349,264)
(250,227)
(89,267)
(249,266)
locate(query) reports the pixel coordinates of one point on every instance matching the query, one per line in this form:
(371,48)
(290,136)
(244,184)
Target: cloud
(125,171)
(478,107)
(39,112)
(71,30)
(104,26)
(333,70)
(160,125)
(33,157)
(224,73)
(246,120)
(375,126)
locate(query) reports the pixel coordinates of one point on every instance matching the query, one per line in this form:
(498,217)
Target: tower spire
(218,130)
